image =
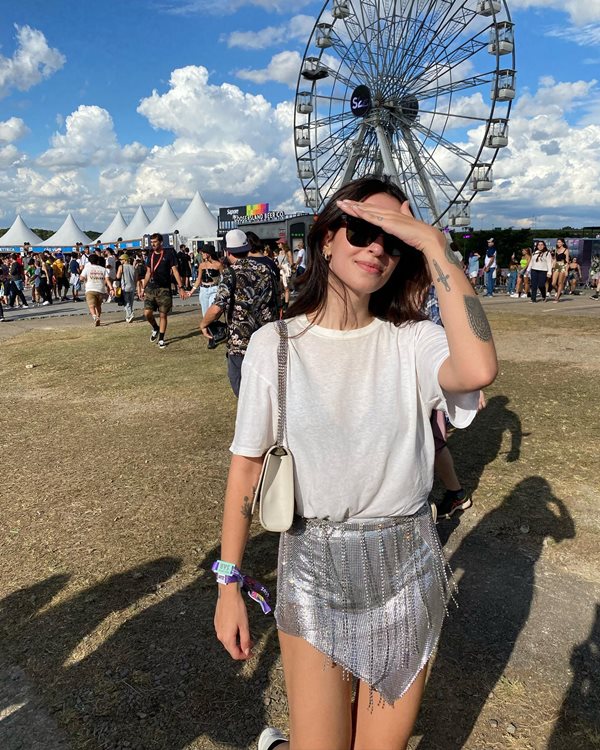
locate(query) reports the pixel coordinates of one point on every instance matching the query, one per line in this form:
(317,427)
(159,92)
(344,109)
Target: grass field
(114,461)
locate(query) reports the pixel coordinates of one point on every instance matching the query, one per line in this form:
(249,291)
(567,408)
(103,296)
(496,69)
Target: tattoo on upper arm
(442,277)
(451,257)
(477,319)
(246,509)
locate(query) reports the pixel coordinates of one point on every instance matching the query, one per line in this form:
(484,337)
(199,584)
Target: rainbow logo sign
(258,209)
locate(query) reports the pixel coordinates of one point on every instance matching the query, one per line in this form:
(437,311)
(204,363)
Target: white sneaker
(514,295)
(270,738)
(45,303)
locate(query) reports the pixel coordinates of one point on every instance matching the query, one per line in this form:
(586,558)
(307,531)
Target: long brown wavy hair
(398,301)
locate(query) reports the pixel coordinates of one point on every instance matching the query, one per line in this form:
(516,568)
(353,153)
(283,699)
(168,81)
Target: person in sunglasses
(362,582)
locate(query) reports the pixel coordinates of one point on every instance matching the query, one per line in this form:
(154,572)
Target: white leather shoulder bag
(275,489)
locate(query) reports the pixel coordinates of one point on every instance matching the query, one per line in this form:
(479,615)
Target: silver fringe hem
(371,595)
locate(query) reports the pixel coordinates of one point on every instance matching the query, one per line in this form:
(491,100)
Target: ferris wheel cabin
(304,105)
(488,7)
(305,171)
(312,199)
(341,9)
(504,89)
(502,38)
(459,214)
(482,178)
(302,136)
(324,35)
(314,70)
(497,136)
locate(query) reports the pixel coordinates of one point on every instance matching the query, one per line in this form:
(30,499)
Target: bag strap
(282,362)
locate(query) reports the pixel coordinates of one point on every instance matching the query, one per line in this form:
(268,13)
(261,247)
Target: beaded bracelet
(229,573)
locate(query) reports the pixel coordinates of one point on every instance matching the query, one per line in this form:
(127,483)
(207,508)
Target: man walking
(248,297)
(16,275)
(490,268)
(156,287)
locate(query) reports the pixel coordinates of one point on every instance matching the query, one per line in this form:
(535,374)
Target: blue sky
(106,106)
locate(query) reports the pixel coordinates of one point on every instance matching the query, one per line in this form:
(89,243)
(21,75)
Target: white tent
(163,221)
(197,221)
(19,234)
(114,230)
(137,226)
(67,236)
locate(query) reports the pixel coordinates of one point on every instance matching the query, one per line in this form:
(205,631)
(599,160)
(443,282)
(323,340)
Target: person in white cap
(248,298)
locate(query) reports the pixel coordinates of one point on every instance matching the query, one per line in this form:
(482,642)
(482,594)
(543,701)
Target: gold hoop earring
(326,255)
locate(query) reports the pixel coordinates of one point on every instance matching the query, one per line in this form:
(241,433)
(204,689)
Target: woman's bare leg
(319,698)
(384,726)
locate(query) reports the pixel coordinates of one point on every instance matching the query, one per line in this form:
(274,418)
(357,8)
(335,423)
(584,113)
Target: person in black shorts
(157,287)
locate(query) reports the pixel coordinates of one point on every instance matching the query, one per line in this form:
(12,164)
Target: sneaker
(162,344)
(25,307)
(45,303)
(154,335)
(96,322)
(453,501)
(270,738)
(128,320)
(2,320)
(594,296)
(514,295)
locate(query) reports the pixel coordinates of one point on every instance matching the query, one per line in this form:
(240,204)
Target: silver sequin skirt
(371,595)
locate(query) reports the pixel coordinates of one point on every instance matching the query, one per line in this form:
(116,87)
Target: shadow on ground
(160,681)
(496,566)
(579,721)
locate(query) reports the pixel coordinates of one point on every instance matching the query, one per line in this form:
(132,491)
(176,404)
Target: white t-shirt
(94,278)
(358,410)
(300,257)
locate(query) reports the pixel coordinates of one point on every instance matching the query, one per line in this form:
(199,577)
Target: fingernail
(342,200)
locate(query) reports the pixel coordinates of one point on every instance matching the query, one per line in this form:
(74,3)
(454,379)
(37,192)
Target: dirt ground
(114,458)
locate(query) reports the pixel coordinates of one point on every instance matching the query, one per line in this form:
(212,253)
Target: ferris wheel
(419,90)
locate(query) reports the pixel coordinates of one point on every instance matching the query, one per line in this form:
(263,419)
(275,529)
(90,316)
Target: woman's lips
(370,267)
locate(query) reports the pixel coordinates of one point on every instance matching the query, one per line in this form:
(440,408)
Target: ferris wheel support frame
(420,169)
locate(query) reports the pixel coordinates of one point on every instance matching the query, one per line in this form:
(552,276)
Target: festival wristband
(229,573)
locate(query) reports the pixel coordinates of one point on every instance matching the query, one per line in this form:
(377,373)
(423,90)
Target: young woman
(209,273)
(513,271)
(126,277)
(593,278)
(285,260)
(560,270)
(540,270)
(473,267)
(361,582)
(523,277)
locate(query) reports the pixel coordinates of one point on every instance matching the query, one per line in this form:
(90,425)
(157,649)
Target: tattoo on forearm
(477,319)
(442,277)
(247,508)
(451,257)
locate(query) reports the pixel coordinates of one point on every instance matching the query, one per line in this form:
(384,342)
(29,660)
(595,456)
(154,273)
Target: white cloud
(222,7)
(227,143)
(283,68)
(580,11)
(32,61)
(10,156)
(89,139)
(583,36)
(12,130)
(298,27)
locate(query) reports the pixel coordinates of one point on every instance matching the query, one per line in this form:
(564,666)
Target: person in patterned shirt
(247,296)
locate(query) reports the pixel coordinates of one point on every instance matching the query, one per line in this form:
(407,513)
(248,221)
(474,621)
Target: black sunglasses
(361,233)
